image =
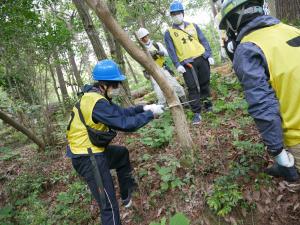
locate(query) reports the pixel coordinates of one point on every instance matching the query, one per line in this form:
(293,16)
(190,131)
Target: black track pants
(202,70)
(114,157)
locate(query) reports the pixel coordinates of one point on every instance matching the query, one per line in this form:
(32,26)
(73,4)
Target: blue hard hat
(107,70)
(176,6)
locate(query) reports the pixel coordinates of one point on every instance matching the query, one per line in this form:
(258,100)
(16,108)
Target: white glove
(230,47)
(285,159)
(223,52)
(156,109)
(211,61)
(181,69)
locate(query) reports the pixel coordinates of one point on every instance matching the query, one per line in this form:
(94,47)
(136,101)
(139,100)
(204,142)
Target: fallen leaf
(296,206)
(256,195)
(279,198)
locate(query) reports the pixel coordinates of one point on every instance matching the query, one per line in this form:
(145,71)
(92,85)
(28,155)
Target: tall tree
(60,77)
(90,29)
(102,11)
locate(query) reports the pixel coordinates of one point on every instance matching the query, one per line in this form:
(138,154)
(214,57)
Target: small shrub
(158,132)
(177,219)
(224,198)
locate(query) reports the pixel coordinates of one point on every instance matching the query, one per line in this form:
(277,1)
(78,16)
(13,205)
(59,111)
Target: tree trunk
(24,130)
(60,76)
(90,29)
(71,57)
(118,56)
(102,11)
(54,82)
(131,70)
(288,10)
(213,8)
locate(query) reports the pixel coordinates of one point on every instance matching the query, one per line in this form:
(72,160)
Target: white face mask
(114,92)
(177,19)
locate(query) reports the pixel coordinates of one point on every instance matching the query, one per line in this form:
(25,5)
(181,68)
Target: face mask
(114,93)
(177,19)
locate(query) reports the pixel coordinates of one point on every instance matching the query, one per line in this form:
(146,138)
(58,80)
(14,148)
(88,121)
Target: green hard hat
(229,6)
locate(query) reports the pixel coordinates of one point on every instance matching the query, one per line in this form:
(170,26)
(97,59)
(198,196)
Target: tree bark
(131,69)
(60,76)
(288,10)
(90,29)
(102,11)
(24,130)
(71,57)
(54,82)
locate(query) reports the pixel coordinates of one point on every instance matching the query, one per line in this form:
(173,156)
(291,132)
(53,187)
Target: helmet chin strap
(238,22)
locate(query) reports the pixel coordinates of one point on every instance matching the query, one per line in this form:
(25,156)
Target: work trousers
(114,157)
(295,150)
(202,70)
(179,90)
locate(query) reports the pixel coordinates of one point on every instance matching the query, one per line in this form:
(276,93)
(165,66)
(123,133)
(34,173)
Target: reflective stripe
(112,210)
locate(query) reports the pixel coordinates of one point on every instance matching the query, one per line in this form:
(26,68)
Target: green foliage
(6,213)
(159,132)
(7,154)
(168,178)
(224,197)
(72,205)
(25,184)
(177,219)
(31,210)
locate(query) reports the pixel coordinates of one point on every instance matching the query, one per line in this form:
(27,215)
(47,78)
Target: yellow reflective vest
(186,42)
(77,135)
(281,46)
(160,59)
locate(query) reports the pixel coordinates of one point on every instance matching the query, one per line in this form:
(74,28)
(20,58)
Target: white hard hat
(142,32)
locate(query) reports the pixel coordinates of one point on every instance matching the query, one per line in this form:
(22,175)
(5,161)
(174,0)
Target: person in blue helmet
(266,56)
(96,115)
(191,55)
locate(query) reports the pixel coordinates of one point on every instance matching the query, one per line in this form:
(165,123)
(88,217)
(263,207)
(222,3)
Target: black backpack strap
(77,105)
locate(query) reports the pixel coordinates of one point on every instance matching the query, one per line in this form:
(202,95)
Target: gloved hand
(181,69)
(230,47)
(153,53)
(161,53)
(211,61)
(156,109)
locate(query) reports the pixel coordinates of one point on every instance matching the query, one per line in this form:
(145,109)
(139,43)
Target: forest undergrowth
(224,184)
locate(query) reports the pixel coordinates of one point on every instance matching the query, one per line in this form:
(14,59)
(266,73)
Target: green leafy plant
(158,133)
(224,197)
(168,176)
(177,219)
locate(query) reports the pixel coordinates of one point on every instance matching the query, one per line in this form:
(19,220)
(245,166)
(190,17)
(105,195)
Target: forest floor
(224,183)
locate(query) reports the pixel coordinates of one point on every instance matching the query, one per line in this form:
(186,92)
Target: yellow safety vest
(186,42)
(77,135)
(280,45)
(160,59)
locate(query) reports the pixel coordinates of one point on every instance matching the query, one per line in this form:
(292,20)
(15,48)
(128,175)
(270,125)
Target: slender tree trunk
(90,29)
(288,10)
(213,8)
(54,82)
(71,57)
(24,130)
(130,68)
(102,11)
(60,76)
(119,58)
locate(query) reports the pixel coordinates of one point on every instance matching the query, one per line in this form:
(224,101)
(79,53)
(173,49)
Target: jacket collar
(257,23)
